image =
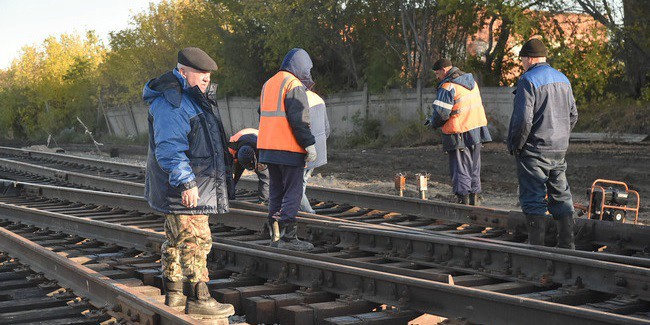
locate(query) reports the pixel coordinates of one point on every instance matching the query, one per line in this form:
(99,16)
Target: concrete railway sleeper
(592,235)
(110,296)
(346,273)
(30,297)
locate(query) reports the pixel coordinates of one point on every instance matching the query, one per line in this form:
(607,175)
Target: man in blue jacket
(188,169)
(544,115)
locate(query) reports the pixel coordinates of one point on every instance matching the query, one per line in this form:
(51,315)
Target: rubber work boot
(174,296)
(536,225)
(474,199)
(274,230)
(462,199)
(200,303)
(289,239)
(565,237)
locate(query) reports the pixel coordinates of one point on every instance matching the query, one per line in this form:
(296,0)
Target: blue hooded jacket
(187,147)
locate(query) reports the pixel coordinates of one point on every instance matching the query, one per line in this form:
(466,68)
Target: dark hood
(298,63)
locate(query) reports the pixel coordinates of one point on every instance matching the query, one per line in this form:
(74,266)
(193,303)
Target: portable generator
(609,200)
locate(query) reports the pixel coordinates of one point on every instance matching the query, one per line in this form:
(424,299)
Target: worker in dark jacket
(458,111)
(243,148)
(285,143)
(188,167)
(544,115)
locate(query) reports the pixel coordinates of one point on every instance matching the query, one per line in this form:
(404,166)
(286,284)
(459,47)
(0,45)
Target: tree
(632,37)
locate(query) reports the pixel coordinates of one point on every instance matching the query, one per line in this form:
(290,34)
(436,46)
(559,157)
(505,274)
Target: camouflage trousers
(184,253)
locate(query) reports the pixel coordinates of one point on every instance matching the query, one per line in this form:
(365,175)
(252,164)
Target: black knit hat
(246,157)
(534,48)
(194,57)
(442,63)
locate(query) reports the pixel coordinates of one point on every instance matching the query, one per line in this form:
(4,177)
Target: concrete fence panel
(394,109)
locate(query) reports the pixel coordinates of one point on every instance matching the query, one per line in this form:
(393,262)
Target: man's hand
(260,167)
(190,198)
(311,153)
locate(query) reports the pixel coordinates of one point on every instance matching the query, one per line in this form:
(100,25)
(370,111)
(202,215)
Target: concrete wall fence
(392,109)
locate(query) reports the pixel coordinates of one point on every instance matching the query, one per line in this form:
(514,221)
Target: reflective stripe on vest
(275,133)
(467,113)
(233,140)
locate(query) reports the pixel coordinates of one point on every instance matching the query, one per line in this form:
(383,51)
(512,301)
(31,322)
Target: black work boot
(565,237)
(289,239)
(200,303)
(536,225)
(174,296)
(462,199)
(474,199)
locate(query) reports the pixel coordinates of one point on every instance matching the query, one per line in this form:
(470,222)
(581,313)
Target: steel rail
(130,202)
(598,233)
(613,235)
(300,269)
(142,206)
(99,289)
(79,179)
(74,160)
(505,262)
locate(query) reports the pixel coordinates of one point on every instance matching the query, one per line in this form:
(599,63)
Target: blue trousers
(465,168)
(543,185)
(285,190)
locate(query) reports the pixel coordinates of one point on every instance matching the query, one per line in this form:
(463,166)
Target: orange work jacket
(467,113)
(275,132)
(235,138)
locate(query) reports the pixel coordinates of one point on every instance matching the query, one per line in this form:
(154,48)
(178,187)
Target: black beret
(534,48)
(442,63)
(194,57)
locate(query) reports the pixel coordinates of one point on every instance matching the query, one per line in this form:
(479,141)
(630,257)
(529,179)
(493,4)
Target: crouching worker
(186,177)
(286,143)
(243,148)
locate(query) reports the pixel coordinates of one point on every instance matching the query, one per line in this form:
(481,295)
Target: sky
(29,22)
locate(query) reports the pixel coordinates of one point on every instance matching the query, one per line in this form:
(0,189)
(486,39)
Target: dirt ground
(374,170)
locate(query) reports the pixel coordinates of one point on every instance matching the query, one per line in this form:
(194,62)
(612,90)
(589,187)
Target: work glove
(311,153)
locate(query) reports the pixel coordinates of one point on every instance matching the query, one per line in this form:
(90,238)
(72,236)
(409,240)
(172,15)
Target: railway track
(43,281)
(431,241)
(358,267)
(406,213)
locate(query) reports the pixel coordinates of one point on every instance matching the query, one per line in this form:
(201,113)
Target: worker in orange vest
(243,148)
(458,111)
(285,144)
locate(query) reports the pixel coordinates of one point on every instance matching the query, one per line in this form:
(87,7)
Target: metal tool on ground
(400,183)
(422,180)
(609,200)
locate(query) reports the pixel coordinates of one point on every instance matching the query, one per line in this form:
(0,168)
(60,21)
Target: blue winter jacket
(187,147)
(441,112)
(544,112)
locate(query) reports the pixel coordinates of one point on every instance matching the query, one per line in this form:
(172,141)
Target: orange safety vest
(467,113)
(236,137)
(275,132)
